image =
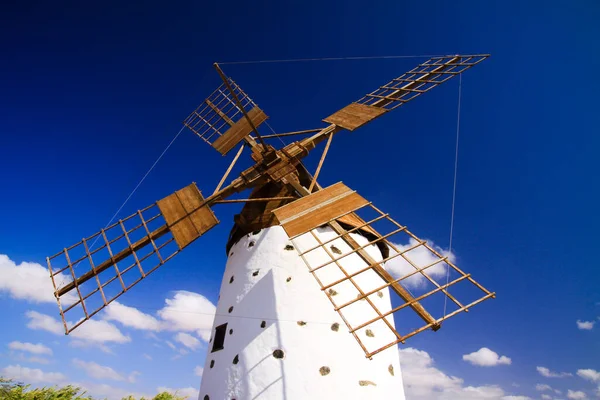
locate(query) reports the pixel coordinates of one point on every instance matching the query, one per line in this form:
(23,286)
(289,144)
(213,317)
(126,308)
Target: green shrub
(10,390)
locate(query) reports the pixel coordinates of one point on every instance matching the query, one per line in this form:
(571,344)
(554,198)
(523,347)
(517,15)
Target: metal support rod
(239,105)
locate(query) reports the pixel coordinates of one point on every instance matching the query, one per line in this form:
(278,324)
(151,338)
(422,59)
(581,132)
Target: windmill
(274,336)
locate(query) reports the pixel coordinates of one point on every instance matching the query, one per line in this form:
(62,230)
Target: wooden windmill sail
(87,278)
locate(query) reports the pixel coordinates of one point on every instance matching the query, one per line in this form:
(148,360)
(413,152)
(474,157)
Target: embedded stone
(231,279)
(289,247)
(335,327)
(335,250)
(212,363)
(301,323)
(369,333)
(367,383)
(251,244)
(255,273)
(289,278)
(263,324)
(380,294)
(236,359)
(391,369)
(324,370)
(278,354)
(230,309)
(332,292)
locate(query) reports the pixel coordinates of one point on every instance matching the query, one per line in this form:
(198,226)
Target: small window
(219,341)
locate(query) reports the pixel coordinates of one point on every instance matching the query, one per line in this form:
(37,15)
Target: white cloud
(543,387)
(30,348)
(589,374)
(171,345)
(546,397)
(485,357)
(576,395)
(29,281)
(198,371)
(30,375)
(585,325)
(98,371)
(147,357)
(549,374)
(423,381)
(421,257)
(32,359)
(189,312)
(188,392)
(187,340)
(130,317)
(99,331)
(44,322)
(110,391)
(91,331)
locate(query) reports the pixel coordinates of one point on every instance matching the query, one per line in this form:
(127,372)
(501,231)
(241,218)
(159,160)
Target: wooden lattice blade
(220,122)
(127,252)
(367,252)
(401,90)
(323,207)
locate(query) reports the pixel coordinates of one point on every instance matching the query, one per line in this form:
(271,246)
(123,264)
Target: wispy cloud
(576,395)
(545,372)
(28,281)
(91,332)
(424,381)
(30,348)
(131,317)
(585,325)
(187,340)
(31,375)
(589,374)
(189,392)
(101,372)
(421,257)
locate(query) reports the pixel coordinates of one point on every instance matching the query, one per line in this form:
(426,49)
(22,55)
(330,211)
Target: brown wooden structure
(87,279)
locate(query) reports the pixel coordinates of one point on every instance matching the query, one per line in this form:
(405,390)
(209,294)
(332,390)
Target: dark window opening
(219,341)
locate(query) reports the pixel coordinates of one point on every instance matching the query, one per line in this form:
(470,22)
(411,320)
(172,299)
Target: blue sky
(90,96)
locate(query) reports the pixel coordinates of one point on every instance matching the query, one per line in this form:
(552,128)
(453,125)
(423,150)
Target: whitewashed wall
(264,281)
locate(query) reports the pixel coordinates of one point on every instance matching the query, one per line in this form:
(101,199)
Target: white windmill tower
(274,335)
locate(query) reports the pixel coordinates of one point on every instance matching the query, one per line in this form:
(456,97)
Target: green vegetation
(10,390)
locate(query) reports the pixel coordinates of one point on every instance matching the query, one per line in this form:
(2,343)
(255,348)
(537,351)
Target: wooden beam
(239,105)
(120,256)
(239,153)
(292,133)
(314,179)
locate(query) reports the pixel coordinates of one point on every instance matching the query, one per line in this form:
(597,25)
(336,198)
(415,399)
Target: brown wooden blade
(350,255)
(401,90)
(219,120)
(128,251)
